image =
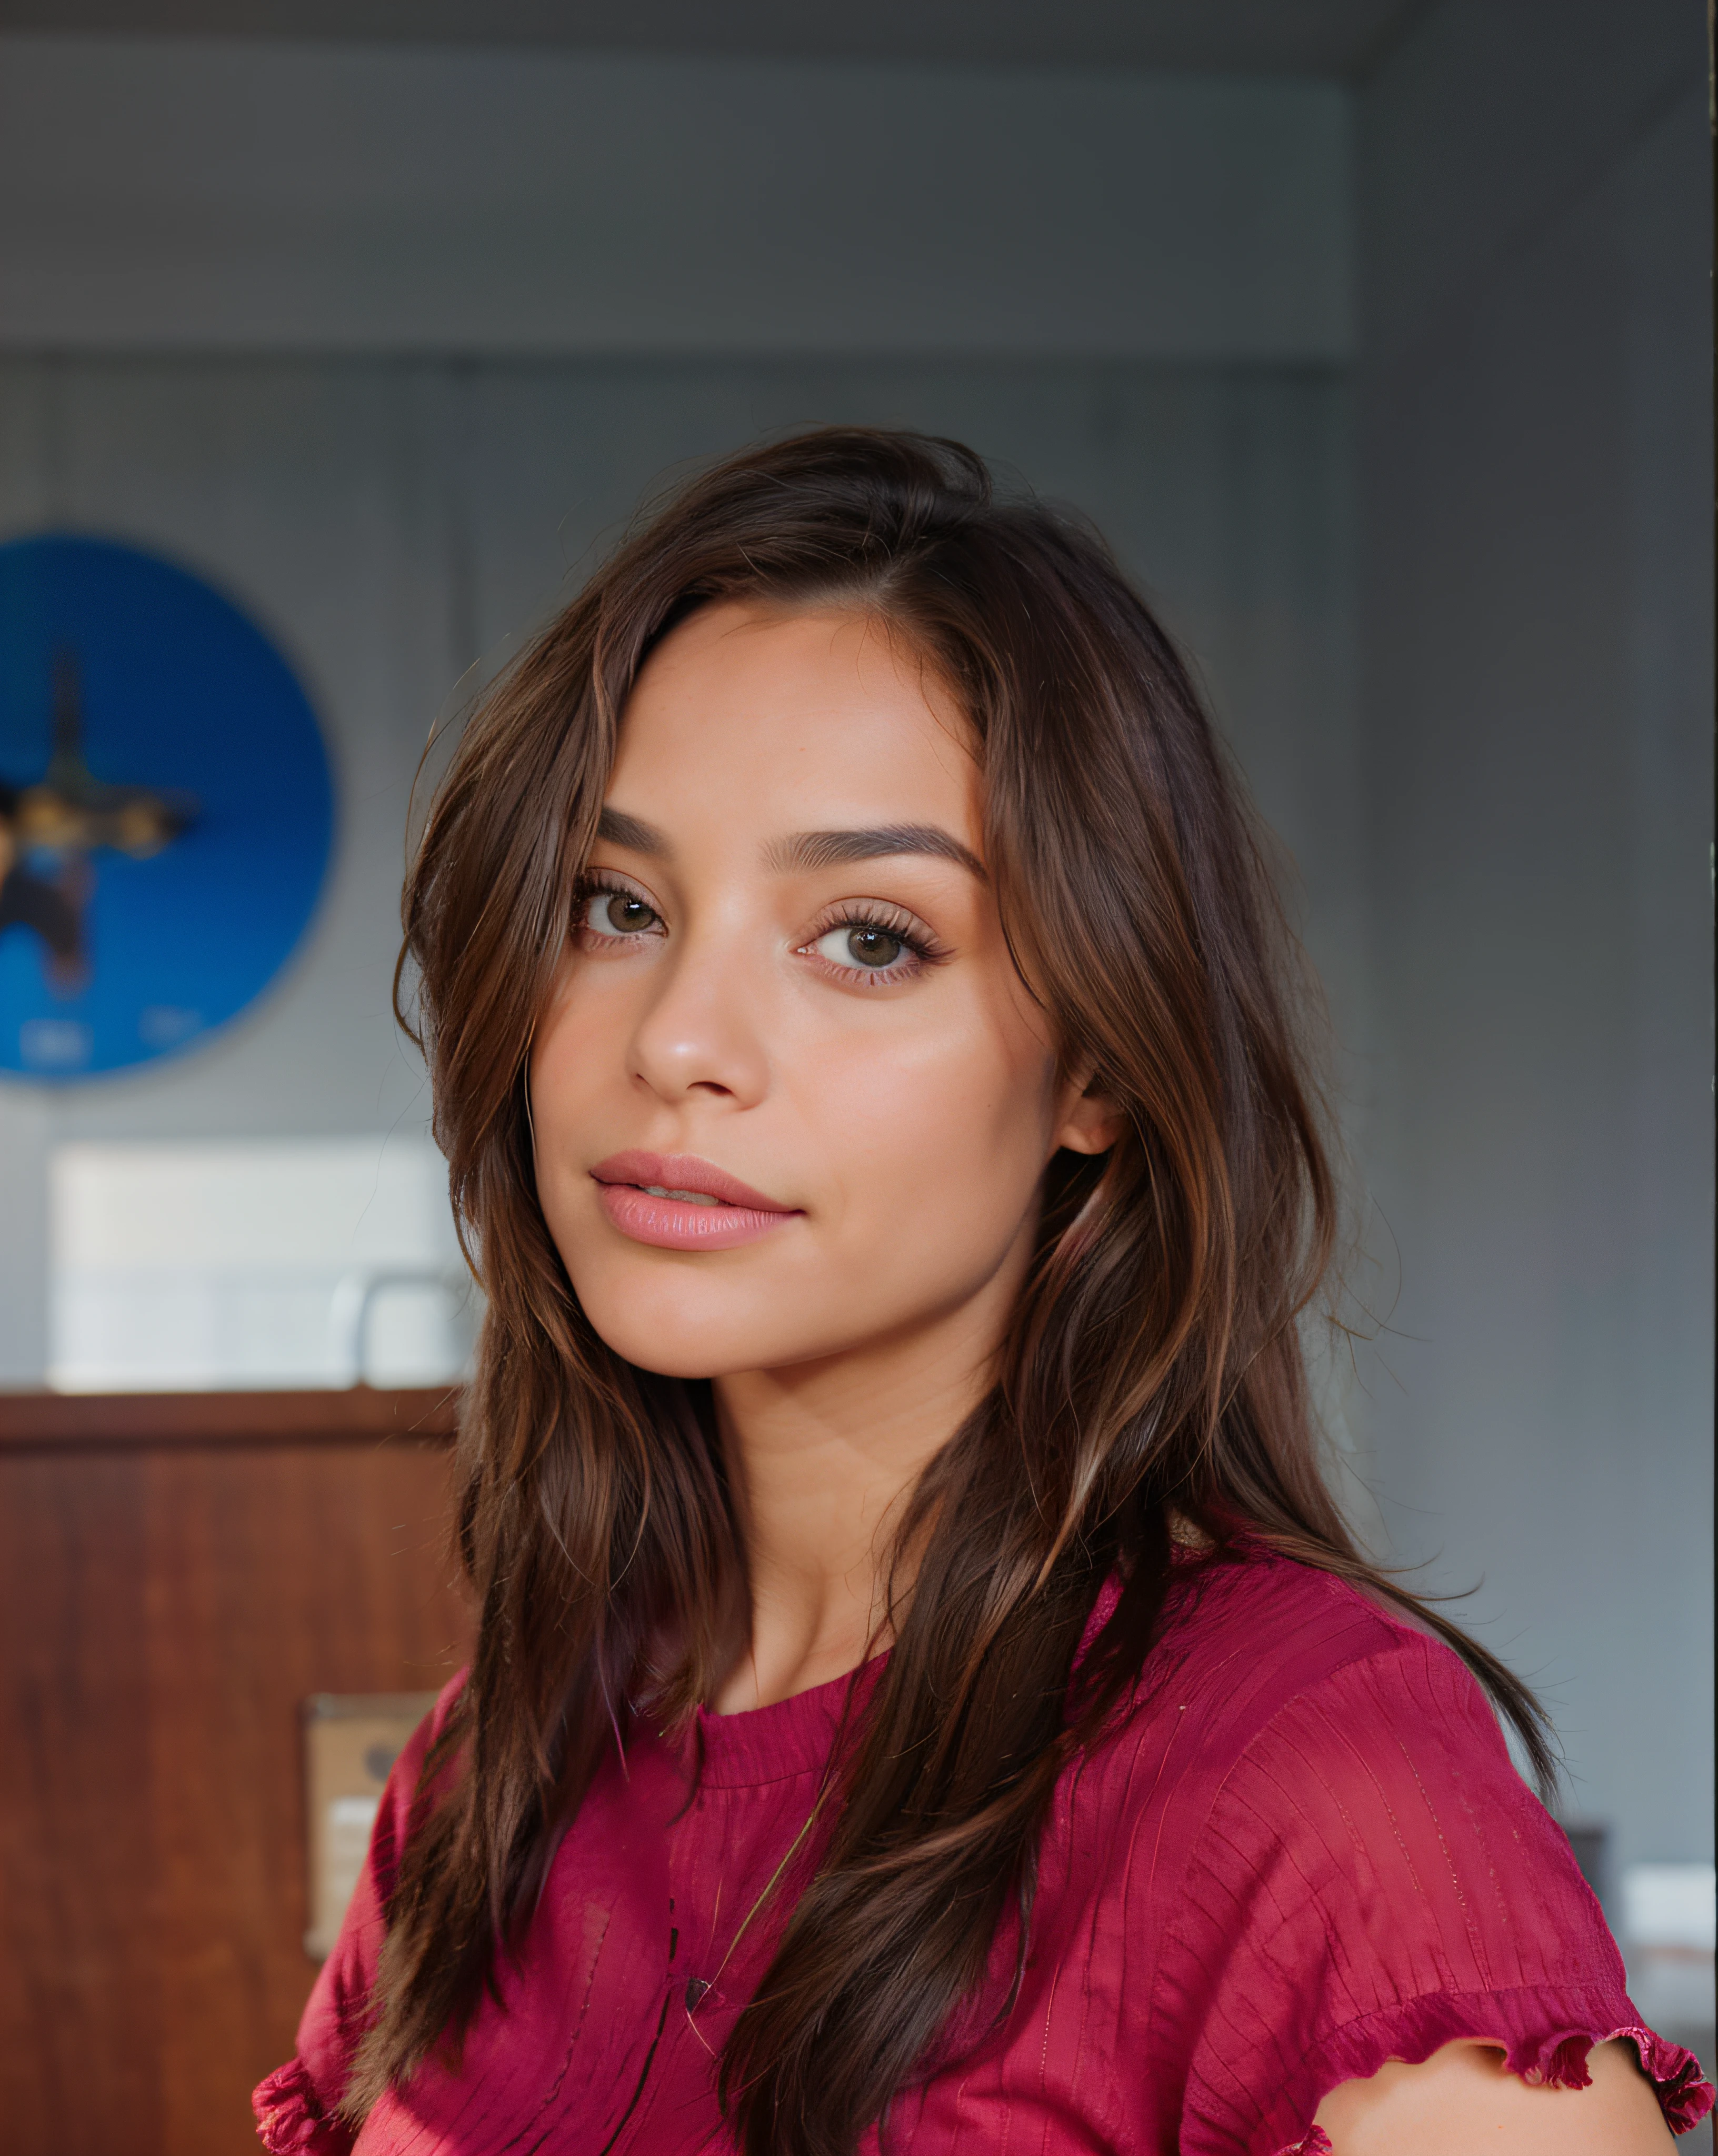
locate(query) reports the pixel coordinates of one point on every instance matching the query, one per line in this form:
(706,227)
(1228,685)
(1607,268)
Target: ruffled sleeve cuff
(1545,2035)
(291,2120)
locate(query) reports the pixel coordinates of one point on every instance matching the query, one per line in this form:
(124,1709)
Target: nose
(699,1032)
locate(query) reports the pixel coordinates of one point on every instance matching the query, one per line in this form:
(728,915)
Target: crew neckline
(789,1737)
(793,1735)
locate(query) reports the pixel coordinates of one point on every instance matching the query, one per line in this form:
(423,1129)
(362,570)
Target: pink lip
(740,1215)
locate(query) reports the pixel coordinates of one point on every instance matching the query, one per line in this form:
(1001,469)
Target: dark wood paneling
(33,1421)
(168,1597)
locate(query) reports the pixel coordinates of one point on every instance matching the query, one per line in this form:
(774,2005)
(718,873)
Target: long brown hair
(1154,1368)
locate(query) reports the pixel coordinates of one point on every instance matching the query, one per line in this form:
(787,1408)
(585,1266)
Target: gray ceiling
(1307,37)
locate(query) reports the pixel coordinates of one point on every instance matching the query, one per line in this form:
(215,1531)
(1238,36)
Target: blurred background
(336,341)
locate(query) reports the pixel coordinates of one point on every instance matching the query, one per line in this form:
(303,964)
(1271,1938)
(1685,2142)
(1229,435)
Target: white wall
(1537,696)
(184,194)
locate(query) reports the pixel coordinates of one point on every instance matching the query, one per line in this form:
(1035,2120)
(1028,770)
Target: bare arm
(1462,2099)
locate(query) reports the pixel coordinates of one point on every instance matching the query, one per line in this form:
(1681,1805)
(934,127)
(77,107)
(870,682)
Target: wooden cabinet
(176,1575)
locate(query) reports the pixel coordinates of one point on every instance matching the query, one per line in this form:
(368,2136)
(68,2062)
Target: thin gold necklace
(774,1880)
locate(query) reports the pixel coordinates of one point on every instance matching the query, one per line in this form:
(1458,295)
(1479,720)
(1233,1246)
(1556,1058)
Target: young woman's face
(790,1097)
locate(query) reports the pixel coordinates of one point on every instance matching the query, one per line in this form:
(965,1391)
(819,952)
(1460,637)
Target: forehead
(797,718)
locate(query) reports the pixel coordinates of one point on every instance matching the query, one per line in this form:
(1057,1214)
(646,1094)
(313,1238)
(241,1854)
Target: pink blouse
(1304,1852)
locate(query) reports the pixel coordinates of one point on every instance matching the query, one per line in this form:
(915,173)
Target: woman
(925,1695)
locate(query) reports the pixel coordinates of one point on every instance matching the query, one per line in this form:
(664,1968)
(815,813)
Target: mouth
(677,1202)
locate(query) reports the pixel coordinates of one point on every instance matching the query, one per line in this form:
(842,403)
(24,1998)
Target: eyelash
(917,940)
(904,928)
(600,886)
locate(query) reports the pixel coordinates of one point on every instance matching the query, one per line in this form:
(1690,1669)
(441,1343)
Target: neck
(823,1457)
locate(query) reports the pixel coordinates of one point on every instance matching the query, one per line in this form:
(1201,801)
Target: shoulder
(1319,1750)
(1252,1641)
(1367,1791)
(1345,1866)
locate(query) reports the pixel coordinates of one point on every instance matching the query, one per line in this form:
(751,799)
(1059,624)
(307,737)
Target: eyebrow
(825,850)
(632,833)
(809,849)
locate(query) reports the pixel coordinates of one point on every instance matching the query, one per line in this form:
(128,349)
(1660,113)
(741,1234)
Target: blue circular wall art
(166,809)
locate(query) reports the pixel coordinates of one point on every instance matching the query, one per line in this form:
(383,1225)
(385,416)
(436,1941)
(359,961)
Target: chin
(690,1356)
(677,1333)
(679,1356)
(689,1328)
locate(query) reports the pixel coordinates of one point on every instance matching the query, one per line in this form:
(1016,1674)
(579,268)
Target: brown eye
(873,946)
(862,946)
(616,913)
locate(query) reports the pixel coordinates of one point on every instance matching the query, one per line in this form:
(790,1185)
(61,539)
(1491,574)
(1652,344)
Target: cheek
(570,1073)
(579,1055)
(948,1132)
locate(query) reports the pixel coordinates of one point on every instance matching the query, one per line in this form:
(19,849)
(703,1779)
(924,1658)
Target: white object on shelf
(254,1264)
(1669,1915)
(1670,1905)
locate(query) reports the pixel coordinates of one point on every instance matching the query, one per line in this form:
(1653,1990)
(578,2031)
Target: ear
(1091,1121)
